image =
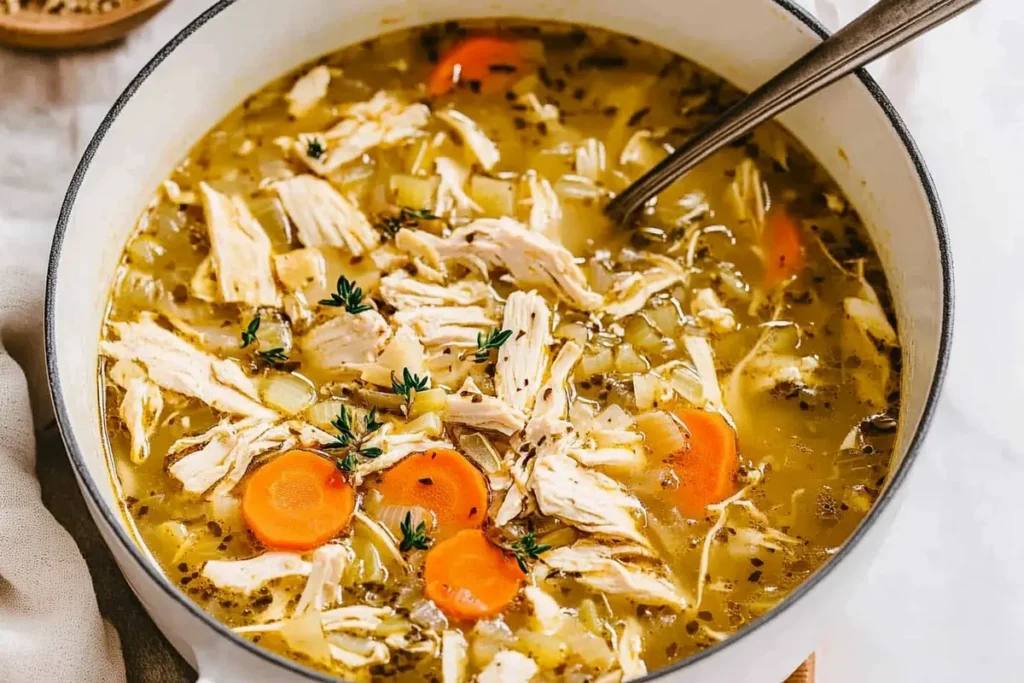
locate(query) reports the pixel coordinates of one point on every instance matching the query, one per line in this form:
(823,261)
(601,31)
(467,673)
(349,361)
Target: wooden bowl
(39,31)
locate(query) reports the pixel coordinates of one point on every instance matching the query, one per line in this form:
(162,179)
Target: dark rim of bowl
(110,516)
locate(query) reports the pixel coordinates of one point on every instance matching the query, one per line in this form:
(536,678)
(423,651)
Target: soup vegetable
(385,393)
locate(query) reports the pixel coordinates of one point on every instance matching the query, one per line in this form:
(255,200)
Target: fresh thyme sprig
(413,538)
(407,217)
(493,340)
(315,149)
(275,356)
(352,443)
(249,334)
(348,297)
(409,385)
(527,548)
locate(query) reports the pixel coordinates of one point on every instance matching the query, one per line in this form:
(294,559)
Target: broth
(745,307)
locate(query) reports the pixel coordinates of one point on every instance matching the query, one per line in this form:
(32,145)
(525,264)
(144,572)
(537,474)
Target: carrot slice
(494,63)
(784,251)
(298,501)
(442,481)
(707,467)
(469,578)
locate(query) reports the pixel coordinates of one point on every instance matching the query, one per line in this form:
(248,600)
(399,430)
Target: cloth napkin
(962,95)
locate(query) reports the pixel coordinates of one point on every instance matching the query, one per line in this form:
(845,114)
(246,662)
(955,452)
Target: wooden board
(38,31)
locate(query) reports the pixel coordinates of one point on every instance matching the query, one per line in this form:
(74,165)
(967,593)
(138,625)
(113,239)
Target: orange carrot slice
(298,501)
(707,467)
(470,578)
(494,63)
(442,481)
(784,251)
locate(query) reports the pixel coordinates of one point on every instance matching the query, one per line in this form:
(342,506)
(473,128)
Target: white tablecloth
(942,602)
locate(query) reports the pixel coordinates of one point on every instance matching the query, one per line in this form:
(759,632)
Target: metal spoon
(881,29)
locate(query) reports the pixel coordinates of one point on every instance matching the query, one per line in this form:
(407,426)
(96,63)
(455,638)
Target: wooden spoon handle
(804,674)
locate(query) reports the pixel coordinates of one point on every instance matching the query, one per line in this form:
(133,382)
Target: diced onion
(306,635)
(274,332)
(640,334)
(590,618)
(650,390)
(662,435)
(591,649)
(478,448)
(596,363)
(391,517)
(548,652)
(368,566)
(686,383)
(289,393)
(382,400)
(576,332)
(430,401)
(428,424)
(489,638)
(566,535)
(145,250)
(628,360)
(363,647)
(496,197)
(413,191)
(321,414)
(427,614)
(666,318)
(613,418)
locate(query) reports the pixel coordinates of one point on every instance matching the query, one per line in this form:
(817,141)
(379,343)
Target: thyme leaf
(527,548)
(409,385)
(493,340)
(407,217)
(413,538)
(249,334)
(315,149)
(348,297)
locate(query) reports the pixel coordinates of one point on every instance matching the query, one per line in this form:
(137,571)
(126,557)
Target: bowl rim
(91,487)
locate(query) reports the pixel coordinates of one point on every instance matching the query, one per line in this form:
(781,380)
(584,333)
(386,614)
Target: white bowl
(234,48)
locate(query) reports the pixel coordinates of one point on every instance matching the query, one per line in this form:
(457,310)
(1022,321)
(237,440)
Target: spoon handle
(881,29)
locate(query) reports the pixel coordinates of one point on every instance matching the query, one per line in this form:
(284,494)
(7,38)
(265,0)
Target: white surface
(940,604)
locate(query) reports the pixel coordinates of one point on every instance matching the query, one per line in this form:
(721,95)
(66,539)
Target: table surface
(943,601)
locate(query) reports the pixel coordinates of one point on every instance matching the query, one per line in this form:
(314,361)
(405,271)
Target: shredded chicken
(369,651)
(545,209)
(446,325)
(355,618)
(630,650)
(469,406)
(483,148)
(529,257)
(240,251)
(383,121)
(323,217)
(591,159)
(868,335)
(523,359)
(454,657)
(323,588)
(545,613)
(508,666)
(451,194)
(553,397)
(401,290)
(308,91)
(625,570)
(395,447)
(747,194)
(704,360)
(225,454)
(301,268)
(140,407)
(640,150)
(708,308)
(175,365)
(246,576)
(768,371)
(345,340)
(630,291)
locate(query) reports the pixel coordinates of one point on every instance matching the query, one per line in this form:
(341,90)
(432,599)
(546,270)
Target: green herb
(348,297)
(494,339)
(413,538)
(409,385)
(249,335)
(527,548)
(275,356)
(406,218)
(353,444)
(315,149)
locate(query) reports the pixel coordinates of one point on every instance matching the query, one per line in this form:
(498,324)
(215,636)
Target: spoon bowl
(43,31)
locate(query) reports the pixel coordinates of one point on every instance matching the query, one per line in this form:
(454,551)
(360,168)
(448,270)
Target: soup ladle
(886,26)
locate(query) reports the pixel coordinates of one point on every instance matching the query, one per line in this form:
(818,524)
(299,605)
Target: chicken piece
(346,340)
(867,334)
(401,290)
(451,195)
(323,588)
(747,195)
(768,371)
(308,91)
(483,148)
(301,268)
(529,257)
(402,352)
(355,618)
(388,258)
(517,499)
(369,652)
(471,407)
(246,576)
(240,251)
(175,365)
(542,436)
(612,458)
(296,307)
(553,398)
(454,657)
(545,613)
(396,447)
(630,291)
(630,650)
(704,361)
(591,159)
(508,666)
(383,121)
(545,209)
(226,452)
(709,309)
(323,217)
(140,407)
(585,499)
(629,571)
(446,325)
(421,246)
(523,359)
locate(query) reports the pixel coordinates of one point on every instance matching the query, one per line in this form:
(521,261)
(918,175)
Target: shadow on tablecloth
(148,657)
